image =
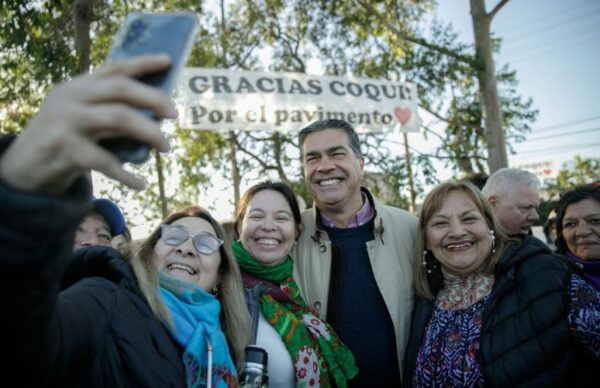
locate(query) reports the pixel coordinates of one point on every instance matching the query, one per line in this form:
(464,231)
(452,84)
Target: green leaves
(370,38)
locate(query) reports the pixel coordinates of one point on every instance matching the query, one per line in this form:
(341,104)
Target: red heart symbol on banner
(402,114)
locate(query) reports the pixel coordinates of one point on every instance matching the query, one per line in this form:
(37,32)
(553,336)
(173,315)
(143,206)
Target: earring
(493,238)
(425,262)
(215,290)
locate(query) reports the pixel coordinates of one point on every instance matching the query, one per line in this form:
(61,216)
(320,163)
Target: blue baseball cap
(111,213)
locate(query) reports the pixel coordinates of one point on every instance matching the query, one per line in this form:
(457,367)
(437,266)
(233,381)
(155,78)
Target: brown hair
(279,187)
(569,197)
(235,319)
(428,284)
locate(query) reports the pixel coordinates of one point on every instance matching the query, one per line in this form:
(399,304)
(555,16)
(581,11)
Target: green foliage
(578,172)
(377,39)
(37,51)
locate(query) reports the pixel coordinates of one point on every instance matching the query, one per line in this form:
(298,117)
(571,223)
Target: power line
(546,17)
(536,55)
(578,120)
(566,148)
(564,134)
(548,40)
(551,27)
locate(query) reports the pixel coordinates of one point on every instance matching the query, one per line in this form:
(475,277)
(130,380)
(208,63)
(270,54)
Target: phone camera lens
(136,33)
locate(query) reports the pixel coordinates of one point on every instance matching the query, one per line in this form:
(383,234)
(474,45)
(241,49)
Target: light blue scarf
(195,314)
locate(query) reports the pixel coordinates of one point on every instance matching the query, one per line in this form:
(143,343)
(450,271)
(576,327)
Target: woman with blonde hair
(224,285)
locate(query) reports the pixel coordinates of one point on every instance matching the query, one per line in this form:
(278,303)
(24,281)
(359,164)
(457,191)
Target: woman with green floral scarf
(303,350)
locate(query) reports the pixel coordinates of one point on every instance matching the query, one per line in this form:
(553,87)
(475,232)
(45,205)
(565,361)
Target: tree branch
(419,41)
(264,165)
(493,12)
(477,128)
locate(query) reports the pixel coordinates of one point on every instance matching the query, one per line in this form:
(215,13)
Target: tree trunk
(161,185)
(488,90)
(235,172)
(411,185)
(83,19)
(277,153)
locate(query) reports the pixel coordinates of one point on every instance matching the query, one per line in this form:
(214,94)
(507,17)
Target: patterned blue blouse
(448,355)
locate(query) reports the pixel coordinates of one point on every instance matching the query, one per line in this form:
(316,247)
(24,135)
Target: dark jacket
(254,287)
(98,331)
(525,338)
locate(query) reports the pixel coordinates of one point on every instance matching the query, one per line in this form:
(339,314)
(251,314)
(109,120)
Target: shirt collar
(364,215)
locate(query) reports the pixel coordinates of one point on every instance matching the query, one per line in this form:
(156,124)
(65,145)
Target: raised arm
(42,202)
(60,143)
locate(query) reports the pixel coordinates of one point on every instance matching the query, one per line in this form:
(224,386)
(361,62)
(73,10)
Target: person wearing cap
(99,226)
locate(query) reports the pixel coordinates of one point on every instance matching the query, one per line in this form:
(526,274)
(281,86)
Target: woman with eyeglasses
(199,293)
(172,315)
(302,349)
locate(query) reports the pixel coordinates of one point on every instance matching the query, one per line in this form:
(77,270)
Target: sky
(554,46)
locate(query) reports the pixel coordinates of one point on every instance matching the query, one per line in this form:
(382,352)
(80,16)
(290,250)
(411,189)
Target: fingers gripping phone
(151,33)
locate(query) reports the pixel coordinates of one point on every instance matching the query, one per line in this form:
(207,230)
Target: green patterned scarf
(317,352)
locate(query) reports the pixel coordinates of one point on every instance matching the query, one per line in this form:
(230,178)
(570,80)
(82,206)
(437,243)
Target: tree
(36,40)
(462,60)
(578,172)
(488,90)
(370,38)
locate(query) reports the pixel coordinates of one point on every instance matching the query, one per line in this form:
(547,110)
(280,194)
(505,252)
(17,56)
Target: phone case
(152,33)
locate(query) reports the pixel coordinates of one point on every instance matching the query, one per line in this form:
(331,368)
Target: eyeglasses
(204,242)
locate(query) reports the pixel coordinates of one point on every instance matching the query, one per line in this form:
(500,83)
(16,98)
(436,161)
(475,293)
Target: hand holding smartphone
(151,33)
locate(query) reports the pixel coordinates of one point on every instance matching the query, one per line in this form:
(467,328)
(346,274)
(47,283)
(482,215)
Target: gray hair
(321,125)
(506,177)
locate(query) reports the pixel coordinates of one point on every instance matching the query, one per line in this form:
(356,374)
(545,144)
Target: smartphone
(151,33)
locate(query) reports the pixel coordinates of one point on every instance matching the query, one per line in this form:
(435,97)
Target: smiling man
(515,199)
(353,260)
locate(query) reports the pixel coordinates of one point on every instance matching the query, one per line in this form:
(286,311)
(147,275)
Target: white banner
(219,99)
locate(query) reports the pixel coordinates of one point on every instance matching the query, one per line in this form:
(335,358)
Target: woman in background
(578,230)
